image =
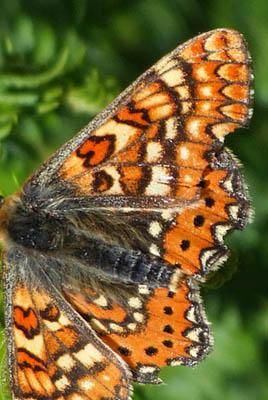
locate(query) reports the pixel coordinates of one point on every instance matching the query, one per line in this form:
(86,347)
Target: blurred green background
(60,63)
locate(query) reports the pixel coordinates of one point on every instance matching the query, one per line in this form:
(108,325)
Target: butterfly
(105,245)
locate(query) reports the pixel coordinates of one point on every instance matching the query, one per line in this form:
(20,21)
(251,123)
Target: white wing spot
(194,334)
(206,91)
(175,279)
(205,106)
(155,228)
(154,250)
(206,257)
(191,315)
(143,289)
(221,231)
(147,369)
(154,151)
(116,328)
(184,153)
(62,383)
(186,106)
(184,92)
(210,259)
(171,128)
(160,182)
(89,355)
(132,326)
(65,362)
(55,326)
(139,317)
(194,351)
(116,187)
(234,211)
(194,126)
(187,179)
(174,77)
(175,363)
(97,325)
(167,215)
(101,301)
(201,73)
(135,302)
(122,131)
(228,183)
(86,384)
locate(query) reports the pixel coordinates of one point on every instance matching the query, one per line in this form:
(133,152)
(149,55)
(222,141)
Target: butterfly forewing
(200,92)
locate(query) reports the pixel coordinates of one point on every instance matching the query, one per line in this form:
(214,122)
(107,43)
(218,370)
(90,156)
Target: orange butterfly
(105,245)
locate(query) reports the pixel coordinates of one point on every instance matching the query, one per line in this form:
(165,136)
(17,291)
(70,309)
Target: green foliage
(4,387)
(59,64)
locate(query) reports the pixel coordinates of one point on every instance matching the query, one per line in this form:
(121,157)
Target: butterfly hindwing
(151,329)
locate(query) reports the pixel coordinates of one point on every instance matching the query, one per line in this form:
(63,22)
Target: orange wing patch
(96,150)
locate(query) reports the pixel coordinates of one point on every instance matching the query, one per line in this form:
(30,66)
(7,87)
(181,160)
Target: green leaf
(21,81)
(4,385)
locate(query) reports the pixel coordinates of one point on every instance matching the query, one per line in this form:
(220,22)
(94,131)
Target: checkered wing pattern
(152,328)
(53,353)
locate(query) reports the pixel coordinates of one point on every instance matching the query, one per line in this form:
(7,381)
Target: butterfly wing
(201,90)
(52,351)
(151,329)
(154,160)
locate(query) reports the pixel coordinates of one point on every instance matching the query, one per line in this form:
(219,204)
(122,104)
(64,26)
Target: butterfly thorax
(28,227)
